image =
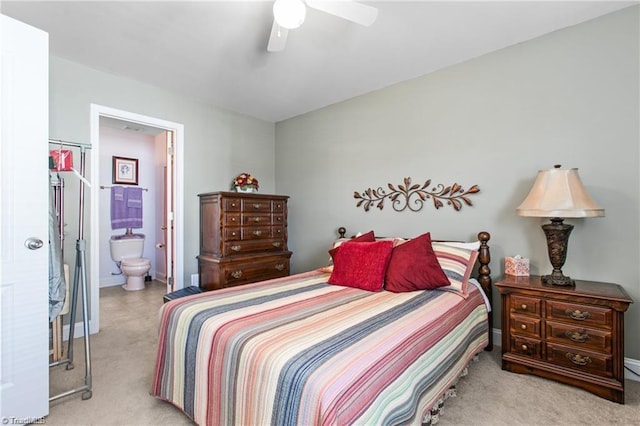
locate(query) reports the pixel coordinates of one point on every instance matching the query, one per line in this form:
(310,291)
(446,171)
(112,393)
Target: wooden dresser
(574,335)
(243,238)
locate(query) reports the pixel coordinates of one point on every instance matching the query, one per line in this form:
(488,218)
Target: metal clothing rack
(79,280)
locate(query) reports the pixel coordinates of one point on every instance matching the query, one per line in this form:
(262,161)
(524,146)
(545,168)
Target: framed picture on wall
(125,170)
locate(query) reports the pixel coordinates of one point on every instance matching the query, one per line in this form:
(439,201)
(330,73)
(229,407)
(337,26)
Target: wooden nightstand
(574,335)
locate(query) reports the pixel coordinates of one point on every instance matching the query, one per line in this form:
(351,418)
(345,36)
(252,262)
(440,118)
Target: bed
(301,350)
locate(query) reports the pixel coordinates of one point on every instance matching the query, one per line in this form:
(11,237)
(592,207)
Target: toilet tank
(126,246)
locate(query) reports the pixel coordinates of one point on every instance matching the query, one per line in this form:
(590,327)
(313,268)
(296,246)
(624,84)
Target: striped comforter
(298,351)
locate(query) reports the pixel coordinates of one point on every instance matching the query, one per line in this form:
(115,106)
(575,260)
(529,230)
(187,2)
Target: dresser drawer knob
(236,274)
(276,243)
(256,219)
(578,359)
(257,233)
(256,205)
(279,267)
(233,204)
(233,219)
(236,248)
(577,314)
(523,306)
(524,347)
(578,336)
(523,326)
(233,234)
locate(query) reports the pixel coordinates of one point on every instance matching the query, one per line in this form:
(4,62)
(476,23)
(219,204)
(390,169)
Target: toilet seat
(135,262)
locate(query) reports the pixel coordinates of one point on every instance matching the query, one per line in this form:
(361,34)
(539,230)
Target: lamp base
(557,233)
(560,279)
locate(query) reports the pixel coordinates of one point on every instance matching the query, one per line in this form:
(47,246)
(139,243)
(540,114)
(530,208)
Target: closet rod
(111,186)
(67,143)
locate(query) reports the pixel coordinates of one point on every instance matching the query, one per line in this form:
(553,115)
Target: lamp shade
(559,193)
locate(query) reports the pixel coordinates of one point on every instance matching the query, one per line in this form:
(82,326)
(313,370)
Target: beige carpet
(123,356)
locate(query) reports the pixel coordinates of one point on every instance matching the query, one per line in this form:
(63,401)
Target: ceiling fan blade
(346,9)
(278,38)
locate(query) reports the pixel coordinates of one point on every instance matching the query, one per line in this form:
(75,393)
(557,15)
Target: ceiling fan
(290,14)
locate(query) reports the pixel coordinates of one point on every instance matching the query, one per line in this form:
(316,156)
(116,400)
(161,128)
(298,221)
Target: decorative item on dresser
(574,335)
(243,238)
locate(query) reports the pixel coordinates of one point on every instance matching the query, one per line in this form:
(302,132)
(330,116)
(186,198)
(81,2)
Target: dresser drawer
(525,305)
(233,234)
(527,347)
(525,326)
(587,315)
(251,271)
(579,359)
(232,204)
(256,206)
(252,246)
(278,206)
(233,219)
(578,336)
(256,232)
(255,219)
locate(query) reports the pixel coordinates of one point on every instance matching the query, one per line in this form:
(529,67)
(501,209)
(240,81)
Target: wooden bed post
(484,278)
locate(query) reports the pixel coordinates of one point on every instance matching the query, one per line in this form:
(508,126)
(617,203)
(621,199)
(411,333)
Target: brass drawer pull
(257,233)
(578,359)
(236,274)
(236,248)
(280,267)
(577,314)
(578,336)
(276,243)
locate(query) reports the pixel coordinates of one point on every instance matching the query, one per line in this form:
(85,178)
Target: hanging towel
(122,215)
(134,198)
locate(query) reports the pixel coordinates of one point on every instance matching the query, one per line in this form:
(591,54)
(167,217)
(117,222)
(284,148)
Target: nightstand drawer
(525,326)
(528,347)
(526,305)
(579,314)
(582,337)
(578,359)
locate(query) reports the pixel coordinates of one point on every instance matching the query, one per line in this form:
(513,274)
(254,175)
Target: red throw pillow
(414,266)
(368,237)
(361,265)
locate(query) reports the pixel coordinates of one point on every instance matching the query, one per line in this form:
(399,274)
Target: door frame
(98,111)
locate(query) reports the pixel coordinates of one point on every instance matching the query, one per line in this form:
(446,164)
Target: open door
(24,242)
(169,229)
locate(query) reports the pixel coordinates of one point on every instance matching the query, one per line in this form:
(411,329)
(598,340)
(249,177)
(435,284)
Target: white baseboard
(629,363)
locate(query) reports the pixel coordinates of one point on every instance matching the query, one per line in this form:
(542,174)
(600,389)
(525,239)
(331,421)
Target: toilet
(126,251)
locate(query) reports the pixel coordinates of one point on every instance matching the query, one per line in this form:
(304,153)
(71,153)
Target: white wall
(129,144)
(570,98)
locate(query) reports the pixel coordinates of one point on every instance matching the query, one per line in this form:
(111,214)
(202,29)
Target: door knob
(33,243)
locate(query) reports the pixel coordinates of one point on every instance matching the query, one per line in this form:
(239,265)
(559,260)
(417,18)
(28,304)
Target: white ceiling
(215,51)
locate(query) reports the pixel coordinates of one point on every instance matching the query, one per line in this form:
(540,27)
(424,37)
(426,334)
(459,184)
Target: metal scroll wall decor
(413,196)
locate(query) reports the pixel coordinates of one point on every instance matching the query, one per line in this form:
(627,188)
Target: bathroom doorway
(157,145)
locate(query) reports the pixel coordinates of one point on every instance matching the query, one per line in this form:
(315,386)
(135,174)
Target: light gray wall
(219,144)
(570,98)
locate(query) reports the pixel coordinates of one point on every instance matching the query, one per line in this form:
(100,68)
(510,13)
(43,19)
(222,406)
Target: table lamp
(558,193)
